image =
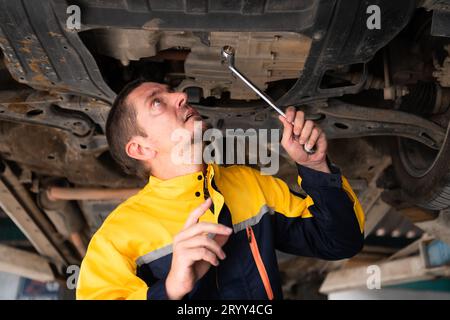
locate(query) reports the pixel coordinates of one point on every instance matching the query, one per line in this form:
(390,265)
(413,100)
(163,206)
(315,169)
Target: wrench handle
(268,100)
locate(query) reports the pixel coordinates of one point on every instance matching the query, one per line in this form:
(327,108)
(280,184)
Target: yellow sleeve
(108,275)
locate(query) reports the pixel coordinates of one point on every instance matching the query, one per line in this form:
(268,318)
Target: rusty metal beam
(64,193)
(343,120)
(25,264)
(17,203)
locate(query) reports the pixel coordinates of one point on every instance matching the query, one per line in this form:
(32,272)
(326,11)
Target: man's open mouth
(191,114)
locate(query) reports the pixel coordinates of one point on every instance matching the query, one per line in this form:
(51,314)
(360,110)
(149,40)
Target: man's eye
(156,103)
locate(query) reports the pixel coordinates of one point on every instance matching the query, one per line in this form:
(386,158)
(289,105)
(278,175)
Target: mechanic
(168,242)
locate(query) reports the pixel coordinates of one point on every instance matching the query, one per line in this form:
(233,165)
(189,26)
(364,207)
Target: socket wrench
(228,56)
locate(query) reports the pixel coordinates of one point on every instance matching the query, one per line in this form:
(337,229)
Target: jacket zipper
(259,263)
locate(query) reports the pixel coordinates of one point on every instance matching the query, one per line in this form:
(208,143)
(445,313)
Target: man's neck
(165,169)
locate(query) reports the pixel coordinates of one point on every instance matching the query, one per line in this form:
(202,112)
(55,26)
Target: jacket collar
(186,187)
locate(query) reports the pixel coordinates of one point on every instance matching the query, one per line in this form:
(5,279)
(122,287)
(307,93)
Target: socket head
(228,55)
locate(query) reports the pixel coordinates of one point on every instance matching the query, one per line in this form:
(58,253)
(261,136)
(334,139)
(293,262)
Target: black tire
(423,173)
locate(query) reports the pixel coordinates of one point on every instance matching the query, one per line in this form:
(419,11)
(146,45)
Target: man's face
(160,111)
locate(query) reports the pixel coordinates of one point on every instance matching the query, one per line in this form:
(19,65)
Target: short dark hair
(121,126)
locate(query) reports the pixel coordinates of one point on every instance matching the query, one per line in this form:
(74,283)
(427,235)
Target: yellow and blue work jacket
(130,255)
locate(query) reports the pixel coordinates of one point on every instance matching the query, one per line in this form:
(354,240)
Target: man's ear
(138,148)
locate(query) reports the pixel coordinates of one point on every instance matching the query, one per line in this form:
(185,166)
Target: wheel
(423,173)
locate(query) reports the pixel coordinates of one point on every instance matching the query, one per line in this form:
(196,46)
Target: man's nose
(181,99)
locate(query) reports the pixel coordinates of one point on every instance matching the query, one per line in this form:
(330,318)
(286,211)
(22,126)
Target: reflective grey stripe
(253,220)
(154,255)
(161,252)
